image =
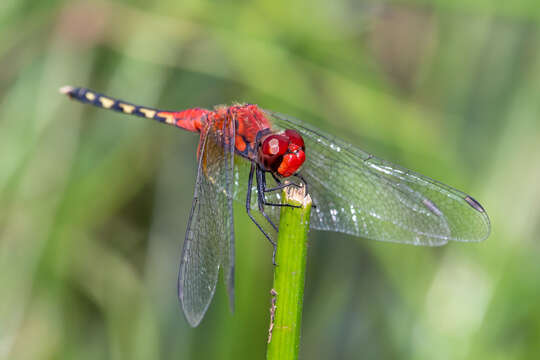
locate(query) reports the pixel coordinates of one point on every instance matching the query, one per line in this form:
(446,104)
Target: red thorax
(281,153)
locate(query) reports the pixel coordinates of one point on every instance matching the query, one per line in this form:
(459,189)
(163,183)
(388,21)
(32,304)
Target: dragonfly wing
(357,193)
(209,241)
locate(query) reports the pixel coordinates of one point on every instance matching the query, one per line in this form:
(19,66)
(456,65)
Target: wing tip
(474,204)
(193,319)
(194,314)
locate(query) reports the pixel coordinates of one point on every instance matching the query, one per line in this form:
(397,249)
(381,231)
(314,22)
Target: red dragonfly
(353,191)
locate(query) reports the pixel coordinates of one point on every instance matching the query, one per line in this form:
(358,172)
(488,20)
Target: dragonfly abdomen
(191,119)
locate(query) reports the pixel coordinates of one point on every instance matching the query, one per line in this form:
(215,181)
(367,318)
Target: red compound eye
(291,163)
(275,145)
(294,138)
(282,153)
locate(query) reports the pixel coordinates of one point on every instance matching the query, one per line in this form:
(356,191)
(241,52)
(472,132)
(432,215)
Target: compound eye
(295,138)
(275,145)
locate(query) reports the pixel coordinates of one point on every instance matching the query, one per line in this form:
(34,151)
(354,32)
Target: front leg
(261,186)
(297,175)
(278,181)
(263,189)
(281,186)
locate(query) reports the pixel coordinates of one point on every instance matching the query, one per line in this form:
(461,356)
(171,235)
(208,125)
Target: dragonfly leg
(261,186)
(303,181)
(248,210)
(280,184)
(306,185)
(276,179)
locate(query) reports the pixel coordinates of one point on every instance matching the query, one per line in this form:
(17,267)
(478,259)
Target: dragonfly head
(282,153)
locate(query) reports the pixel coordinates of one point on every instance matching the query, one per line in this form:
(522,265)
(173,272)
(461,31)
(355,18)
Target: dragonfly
(243,148)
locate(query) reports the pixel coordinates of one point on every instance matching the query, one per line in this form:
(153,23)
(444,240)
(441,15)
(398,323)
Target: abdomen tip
(66,90)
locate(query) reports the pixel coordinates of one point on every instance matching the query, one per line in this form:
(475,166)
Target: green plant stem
(288,290)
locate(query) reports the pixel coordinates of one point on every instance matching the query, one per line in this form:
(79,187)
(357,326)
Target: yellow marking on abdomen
(148,113)
(128,109)
(107,103)
(169,119)
(90,96)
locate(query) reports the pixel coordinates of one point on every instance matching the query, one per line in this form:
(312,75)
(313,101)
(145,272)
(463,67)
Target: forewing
(357,193)
(209,242)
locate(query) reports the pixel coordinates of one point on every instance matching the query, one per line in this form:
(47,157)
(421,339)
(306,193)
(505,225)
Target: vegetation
(289,276)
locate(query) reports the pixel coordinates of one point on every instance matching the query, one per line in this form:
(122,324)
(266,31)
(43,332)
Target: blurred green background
(93,204)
